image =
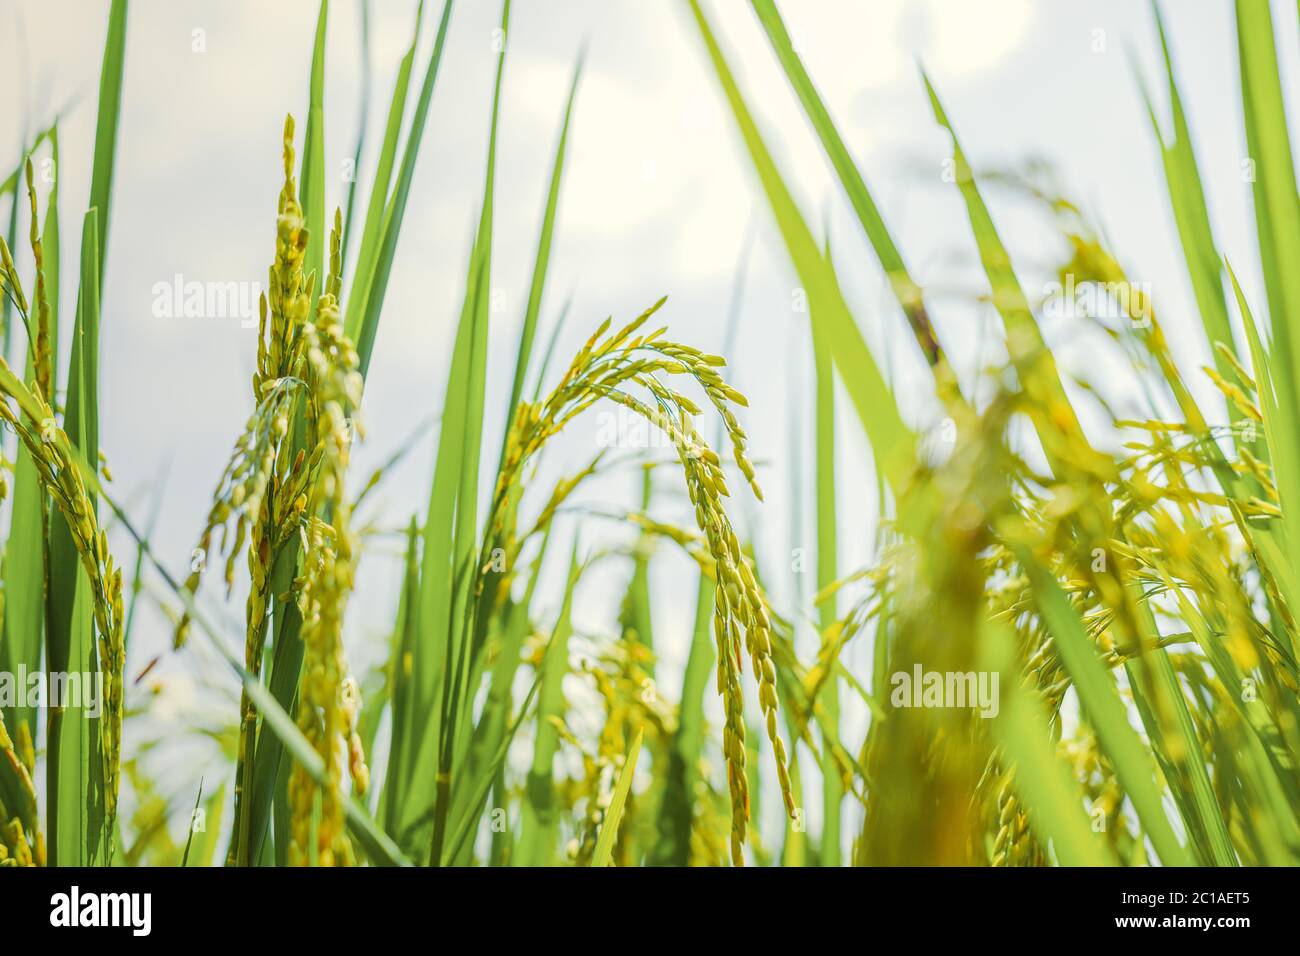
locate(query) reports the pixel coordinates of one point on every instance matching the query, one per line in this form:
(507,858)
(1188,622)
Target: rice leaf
(614,814)
(827,574)
(373,290)
(891,441)
(905,289)
(677,809)
(312,174)
(77,815)
(1044,783)
(538,285)
(106,122)
(362,123)
(368,252)
(1271,165)
(539,822)
(1192,217)
(1103,708)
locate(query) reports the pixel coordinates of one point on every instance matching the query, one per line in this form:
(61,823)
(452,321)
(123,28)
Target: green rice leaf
(312,174)
(905,289)
(1054,800)
(544,240)
(614,815)
(1105,711)
(1191,216)
(539,822)
(1277,203)
(76,827)
(362,330)
(368,253)
(891,440)
(106,122)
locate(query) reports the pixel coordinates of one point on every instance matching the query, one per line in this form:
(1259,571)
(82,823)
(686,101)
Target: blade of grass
(368,251)
(1054,417)
(1105,711)
(436,582)
(1043,782)
(461,832)
(50,249)
(1284,446)
(1187,197)
(1277,204)
(76,831)
(375,288)
(539,820)
(450,530)
(891,441)
(204,850)
(312,173)
(399,677)
(549,354)
(26,549)
(106,122)
(614,815)
(76,816)
(827,574)
(1159,698)
(457,696)
(189,838)
(543,258)
(362,123)
(905,289)
(491,729)
(635,619)
(678,808)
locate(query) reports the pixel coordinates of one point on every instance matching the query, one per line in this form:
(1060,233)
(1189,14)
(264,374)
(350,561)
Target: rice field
(1073,643)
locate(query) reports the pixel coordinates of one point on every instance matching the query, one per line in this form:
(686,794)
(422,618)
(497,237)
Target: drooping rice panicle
(602,369)
(61,475)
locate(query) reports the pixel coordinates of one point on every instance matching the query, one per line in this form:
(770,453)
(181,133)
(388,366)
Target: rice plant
(1111,594)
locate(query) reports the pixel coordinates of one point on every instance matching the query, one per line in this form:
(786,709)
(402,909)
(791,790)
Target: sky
(658,199)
